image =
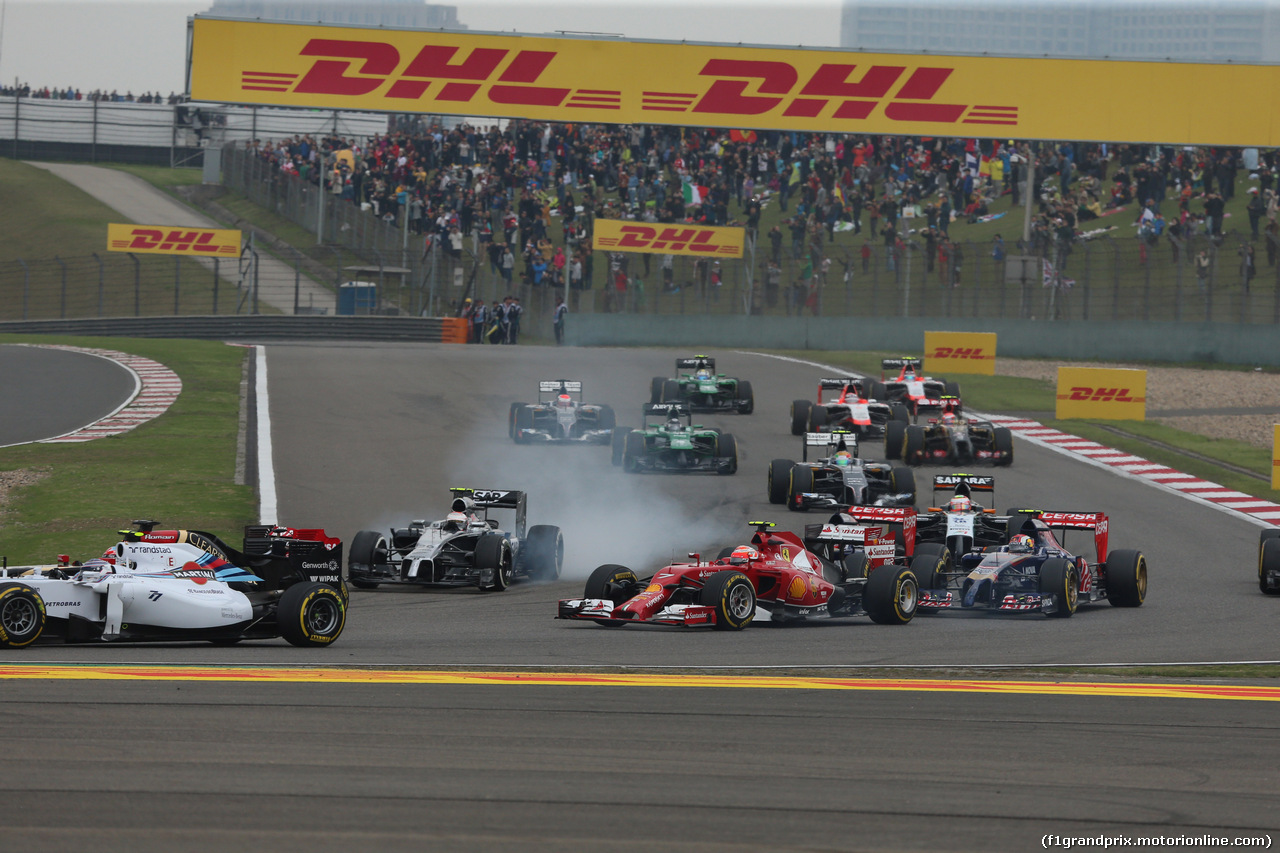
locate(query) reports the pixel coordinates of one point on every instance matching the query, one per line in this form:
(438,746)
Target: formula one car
(1034,572)
(703,390)
(1269,561)
(847,408)
(918,393)
(183,585)
(961,524)
(774,575)
(465,548)
(896,523)
(668,444)
(838,478)
(949,440)
(560,417)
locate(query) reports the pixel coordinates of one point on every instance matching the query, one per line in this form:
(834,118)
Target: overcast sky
(140,45)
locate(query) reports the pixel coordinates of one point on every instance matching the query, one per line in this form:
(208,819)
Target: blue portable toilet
(357,297)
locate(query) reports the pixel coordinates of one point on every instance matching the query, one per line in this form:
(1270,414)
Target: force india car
(1040,576)
(560,417)
(703,390)
(949,440)
(775,576)
(670,442)
(839,478)
(960,529)
(918,393)
(842,404)
(1269,561)
(183,585)
(466,548)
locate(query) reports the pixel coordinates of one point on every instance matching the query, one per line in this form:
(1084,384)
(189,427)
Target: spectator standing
(557,320)
(1202,269)
(1255,208)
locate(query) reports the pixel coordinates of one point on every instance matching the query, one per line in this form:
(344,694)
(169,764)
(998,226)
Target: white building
(407,14)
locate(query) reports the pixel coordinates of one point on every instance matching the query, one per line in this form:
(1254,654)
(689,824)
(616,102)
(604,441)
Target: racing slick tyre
(619,444)
(779,480)
(1127,578)
(655,389)
(733,598)
(891,595)
(929,565)
(877,391)
(544,552)
(511,419)
(747,396)
(856,565)
(817,418)
(21,615)
(727,448)
(903,481)
(800,416)
(895,433)
(632,451)
(1002,442)
(899,412)
(493,551)
(951,388)
(913,445)
(614,583)
(607,418)
(1058,577)
(311,614)
(1268,561)
(800,481)
(524,420)
(367,550)
(670,391)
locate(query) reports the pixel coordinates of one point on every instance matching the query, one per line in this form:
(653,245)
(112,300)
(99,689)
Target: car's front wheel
(311,614)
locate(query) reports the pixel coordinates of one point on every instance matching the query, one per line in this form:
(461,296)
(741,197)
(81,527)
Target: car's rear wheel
(903,481)
(800,416)
(779,480)
(1058,577)
(895,433)
(311,614)
(913,445)
(670,391)
(511,419)
(22,615)
(733,598)
(952,389)
(727,448)
(891,595)
(800,481)
(611,582)
(368,549)
(877,391)
(899,412)
(655,389)
(544,552)
(1002,442)
(632,452)
(607,419)
(747,396)
(524,420)
(817,418)
(1127,577)
(1268,561)
(493,551)
(619,441)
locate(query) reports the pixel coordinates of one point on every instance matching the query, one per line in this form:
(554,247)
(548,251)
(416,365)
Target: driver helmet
(563,401)
(455,521)
(909,371)
(743,554)
(843,458)
(109,556)
(1022,544)
(702,373)
(960,503)
(949,418)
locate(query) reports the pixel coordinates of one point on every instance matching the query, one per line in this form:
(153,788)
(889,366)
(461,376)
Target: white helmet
(455,521)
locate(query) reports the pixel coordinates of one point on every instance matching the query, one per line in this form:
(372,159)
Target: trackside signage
(1275,456)
(173,240)
(1099,392)
(613,235)
(960,352)
(596,80)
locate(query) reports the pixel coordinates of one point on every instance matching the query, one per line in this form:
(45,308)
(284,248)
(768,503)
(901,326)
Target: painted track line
(267,504)
(325,675)
(1261,512)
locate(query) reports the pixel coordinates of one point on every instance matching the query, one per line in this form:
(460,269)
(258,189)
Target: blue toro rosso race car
(1034,572)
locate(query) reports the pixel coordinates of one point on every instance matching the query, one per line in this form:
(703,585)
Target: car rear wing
(964,484)
(875,540)
(665,410)
(559,386)
(892,517)
(695,362)
(899,364)
(1058,520)
(465,500)
(832,440)
(837,383)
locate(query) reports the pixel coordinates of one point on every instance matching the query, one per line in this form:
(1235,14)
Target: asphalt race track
(50,392)
(372,436)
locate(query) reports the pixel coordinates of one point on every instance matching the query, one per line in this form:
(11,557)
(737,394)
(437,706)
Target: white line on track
(267,509)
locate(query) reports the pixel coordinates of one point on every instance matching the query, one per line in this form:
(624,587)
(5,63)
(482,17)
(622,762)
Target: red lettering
(922,85)
(328,77)
(527,66)
(146,238)
(726,96)
(433,63)
(677,238)
(963,352)
(832,81)
(180,240)
(636,236)
(1081,393)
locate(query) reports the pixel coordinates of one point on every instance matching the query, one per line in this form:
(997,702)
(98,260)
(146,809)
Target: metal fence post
(137,285)
(215,285)
(177,281)
(101,278)
(297,281)
(62,312)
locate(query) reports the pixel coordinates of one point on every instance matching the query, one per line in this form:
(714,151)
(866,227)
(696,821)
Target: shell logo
(797,588)
(653,587)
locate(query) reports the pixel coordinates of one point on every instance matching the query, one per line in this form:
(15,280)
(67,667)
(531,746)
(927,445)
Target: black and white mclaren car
(560,417)
(465,548)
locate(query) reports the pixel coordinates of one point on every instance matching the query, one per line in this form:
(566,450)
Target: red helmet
(948,417)
(744,553)
(960,503)
(563,401)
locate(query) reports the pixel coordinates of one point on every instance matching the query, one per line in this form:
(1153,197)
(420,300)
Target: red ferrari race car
(774,575)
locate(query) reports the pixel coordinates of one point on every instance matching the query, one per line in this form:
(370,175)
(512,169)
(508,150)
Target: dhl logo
(450,74)
(1101,395)
(211,242)
(978,353)
(618,236)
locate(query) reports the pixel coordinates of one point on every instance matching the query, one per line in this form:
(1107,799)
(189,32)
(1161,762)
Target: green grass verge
(178,468)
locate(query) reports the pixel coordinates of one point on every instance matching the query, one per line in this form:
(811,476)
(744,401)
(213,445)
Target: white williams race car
(176,585)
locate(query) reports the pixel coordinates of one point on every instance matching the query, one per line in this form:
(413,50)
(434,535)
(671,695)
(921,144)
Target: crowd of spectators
(529,193)
(24,90)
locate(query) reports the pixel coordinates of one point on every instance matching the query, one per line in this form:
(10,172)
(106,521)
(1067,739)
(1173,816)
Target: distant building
(1205,31)
(406,14)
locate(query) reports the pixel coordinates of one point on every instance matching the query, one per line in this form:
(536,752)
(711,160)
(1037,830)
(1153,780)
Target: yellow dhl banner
(1099,392)
(960,352)
(173,240)
(613,235)
(592,80)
